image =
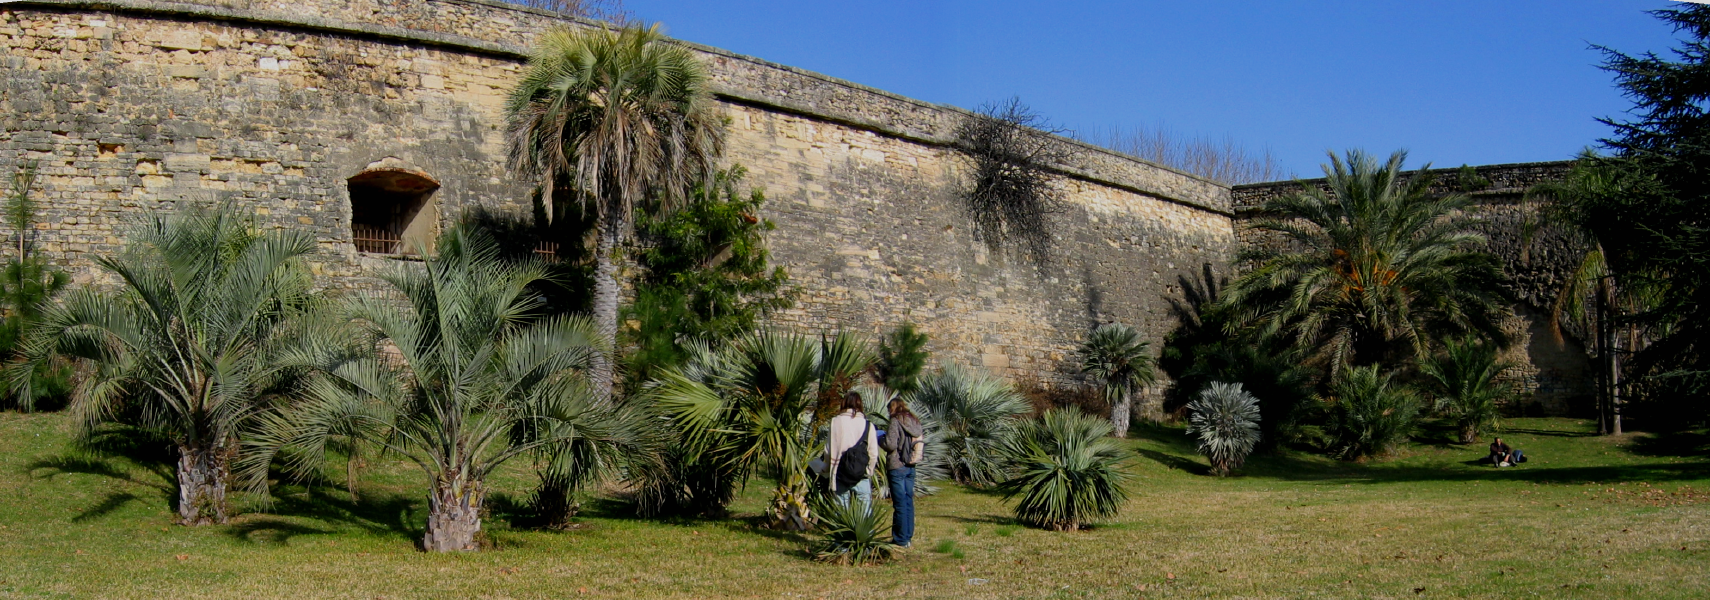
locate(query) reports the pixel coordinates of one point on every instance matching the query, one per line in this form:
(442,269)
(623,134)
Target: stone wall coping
(1271,188)
(1219,193)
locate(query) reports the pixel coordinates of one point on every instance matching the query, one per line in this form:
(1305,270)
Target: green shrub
(1464,379)
(854,533)
(1226,419)
(27,284)
(973,412)
(902,357)
(1067,470)
(1370,414)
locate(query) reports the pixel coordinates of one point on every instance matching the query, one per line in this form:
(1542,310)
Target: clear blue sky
(1477,82)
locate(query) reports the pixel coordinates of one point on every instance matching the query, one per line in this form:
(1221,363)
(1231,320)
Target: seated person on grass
(1502,455)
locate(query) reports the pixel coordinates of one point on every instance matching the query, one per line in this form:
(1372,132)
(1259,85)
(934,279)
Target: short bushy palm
(190,347)
(854,533)
(1369,270)
(455,373)
(1115,355)
(1226,420)
(975,411)
(620,115)
(1371,414)
(751,406)
(1466,379)
(1066,471)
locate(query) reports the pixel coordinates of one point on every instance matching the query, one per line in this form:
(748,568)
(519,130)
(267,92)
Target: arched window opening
(392,212)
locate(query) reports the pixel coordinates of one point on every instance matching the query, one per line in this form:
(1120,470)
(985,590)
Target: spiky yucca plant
(1066,470)
(1226,419)
(975,412)
(1464,379)
(1371,414)
(854,533)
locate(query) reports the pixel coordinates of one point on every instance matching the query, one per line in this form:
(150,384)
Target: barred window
(392,211)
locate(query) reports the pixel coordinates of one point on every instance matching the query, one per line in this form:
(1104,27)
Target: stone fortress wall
(134,106)
(1556,376)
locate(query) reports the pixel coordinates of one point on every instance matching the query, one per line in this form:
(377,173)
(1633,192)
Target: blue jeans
(862,491)
(902,501)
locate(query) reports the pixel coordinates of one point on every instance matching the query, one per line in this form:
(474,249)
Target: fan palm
(1370,268)
(1226,419)
(193,344)
(618,116)
(456,375)
(1067,471)
(754,405)
(1115,355)
(974,412)
(1466,381)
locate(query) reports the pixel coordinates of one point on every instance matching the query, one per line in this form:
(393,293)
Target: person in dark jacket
(904,443)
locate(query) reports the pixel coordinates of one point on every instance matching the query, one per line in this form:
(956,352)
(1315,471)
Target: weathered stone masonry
(140,105)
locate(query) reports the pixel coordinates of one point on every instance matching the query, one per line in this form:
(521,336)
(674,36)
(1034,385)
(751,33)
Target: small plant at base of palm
(1465,378)
(1067,471)
(854,533)
(1370,414)
(1226,419)
(1115,355)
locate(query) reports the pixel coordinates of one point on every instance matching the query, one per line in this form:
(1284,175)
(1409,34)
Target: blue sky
(1476,82)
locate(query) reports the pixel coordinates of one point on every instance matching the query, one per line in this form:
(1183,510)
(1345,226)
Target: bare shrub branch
(1012,193)
(1220,159)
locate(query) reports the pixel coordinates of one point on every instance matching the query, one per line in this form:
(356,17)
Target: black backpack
(852,466)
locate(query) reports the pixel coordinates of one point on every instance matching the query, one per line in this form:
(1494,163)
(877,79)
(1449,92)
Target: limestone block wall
(134,106)
(1556,375)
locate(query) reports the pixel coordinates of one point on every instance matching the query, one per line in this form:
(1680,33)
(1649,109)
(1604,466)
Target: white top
(845,433)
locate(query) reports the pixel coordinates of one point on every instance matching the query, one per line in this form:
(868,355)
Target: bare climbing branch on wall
(1011,192)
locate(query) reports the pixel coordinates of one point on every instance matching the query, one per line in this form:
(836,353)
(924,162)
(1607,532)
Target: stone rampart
(132,106)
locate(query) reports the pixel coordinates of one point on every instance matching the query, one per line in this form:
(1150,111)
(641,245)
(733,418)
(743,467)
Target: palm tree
(192,345)
(618,116)
(1226,420)
(1067,471)
(1370,268)
(1122,363)
(974,413)
(758,405)
(1466,380)
(453,372)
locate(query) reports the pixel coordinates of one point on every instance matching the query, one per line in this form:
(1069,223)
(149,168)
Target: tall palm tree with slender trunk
(1122,363)
(193,345)
(623,119)
(456,372)
(1370,268)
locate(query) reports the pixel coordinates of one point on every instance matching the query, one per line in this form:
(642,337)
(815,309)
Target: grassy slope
(1583,519)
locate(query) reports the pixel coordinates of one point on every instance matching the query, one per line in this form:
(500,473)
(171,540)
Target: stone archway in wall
(392,209)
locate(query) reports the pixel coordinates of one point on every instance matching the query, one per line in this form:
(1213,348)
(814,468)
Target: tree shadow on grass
(391,515)
(159,478)
(1174,462)
(1672,443)
(269,529)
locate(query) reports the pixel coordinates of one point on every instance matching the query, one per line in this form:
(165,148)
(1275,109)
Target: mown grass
(1589,517)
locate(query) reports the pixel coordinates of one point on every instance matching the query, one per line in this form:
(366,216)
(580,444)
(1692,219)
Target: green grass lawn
(1588,517)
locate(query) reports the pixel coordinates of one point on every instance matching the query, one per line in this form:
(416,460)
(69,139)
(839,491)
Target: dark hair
(899,407)
(852,401)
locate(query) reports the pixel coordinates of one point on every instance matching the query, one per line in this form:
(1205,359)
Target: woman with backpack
(852,452)
(904,443)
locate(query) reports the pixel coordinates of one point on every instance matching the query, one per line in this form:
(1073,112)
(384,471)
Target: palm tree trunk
(202,475)
(1120,412)
(600,373)
(454,517)
(553,503)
